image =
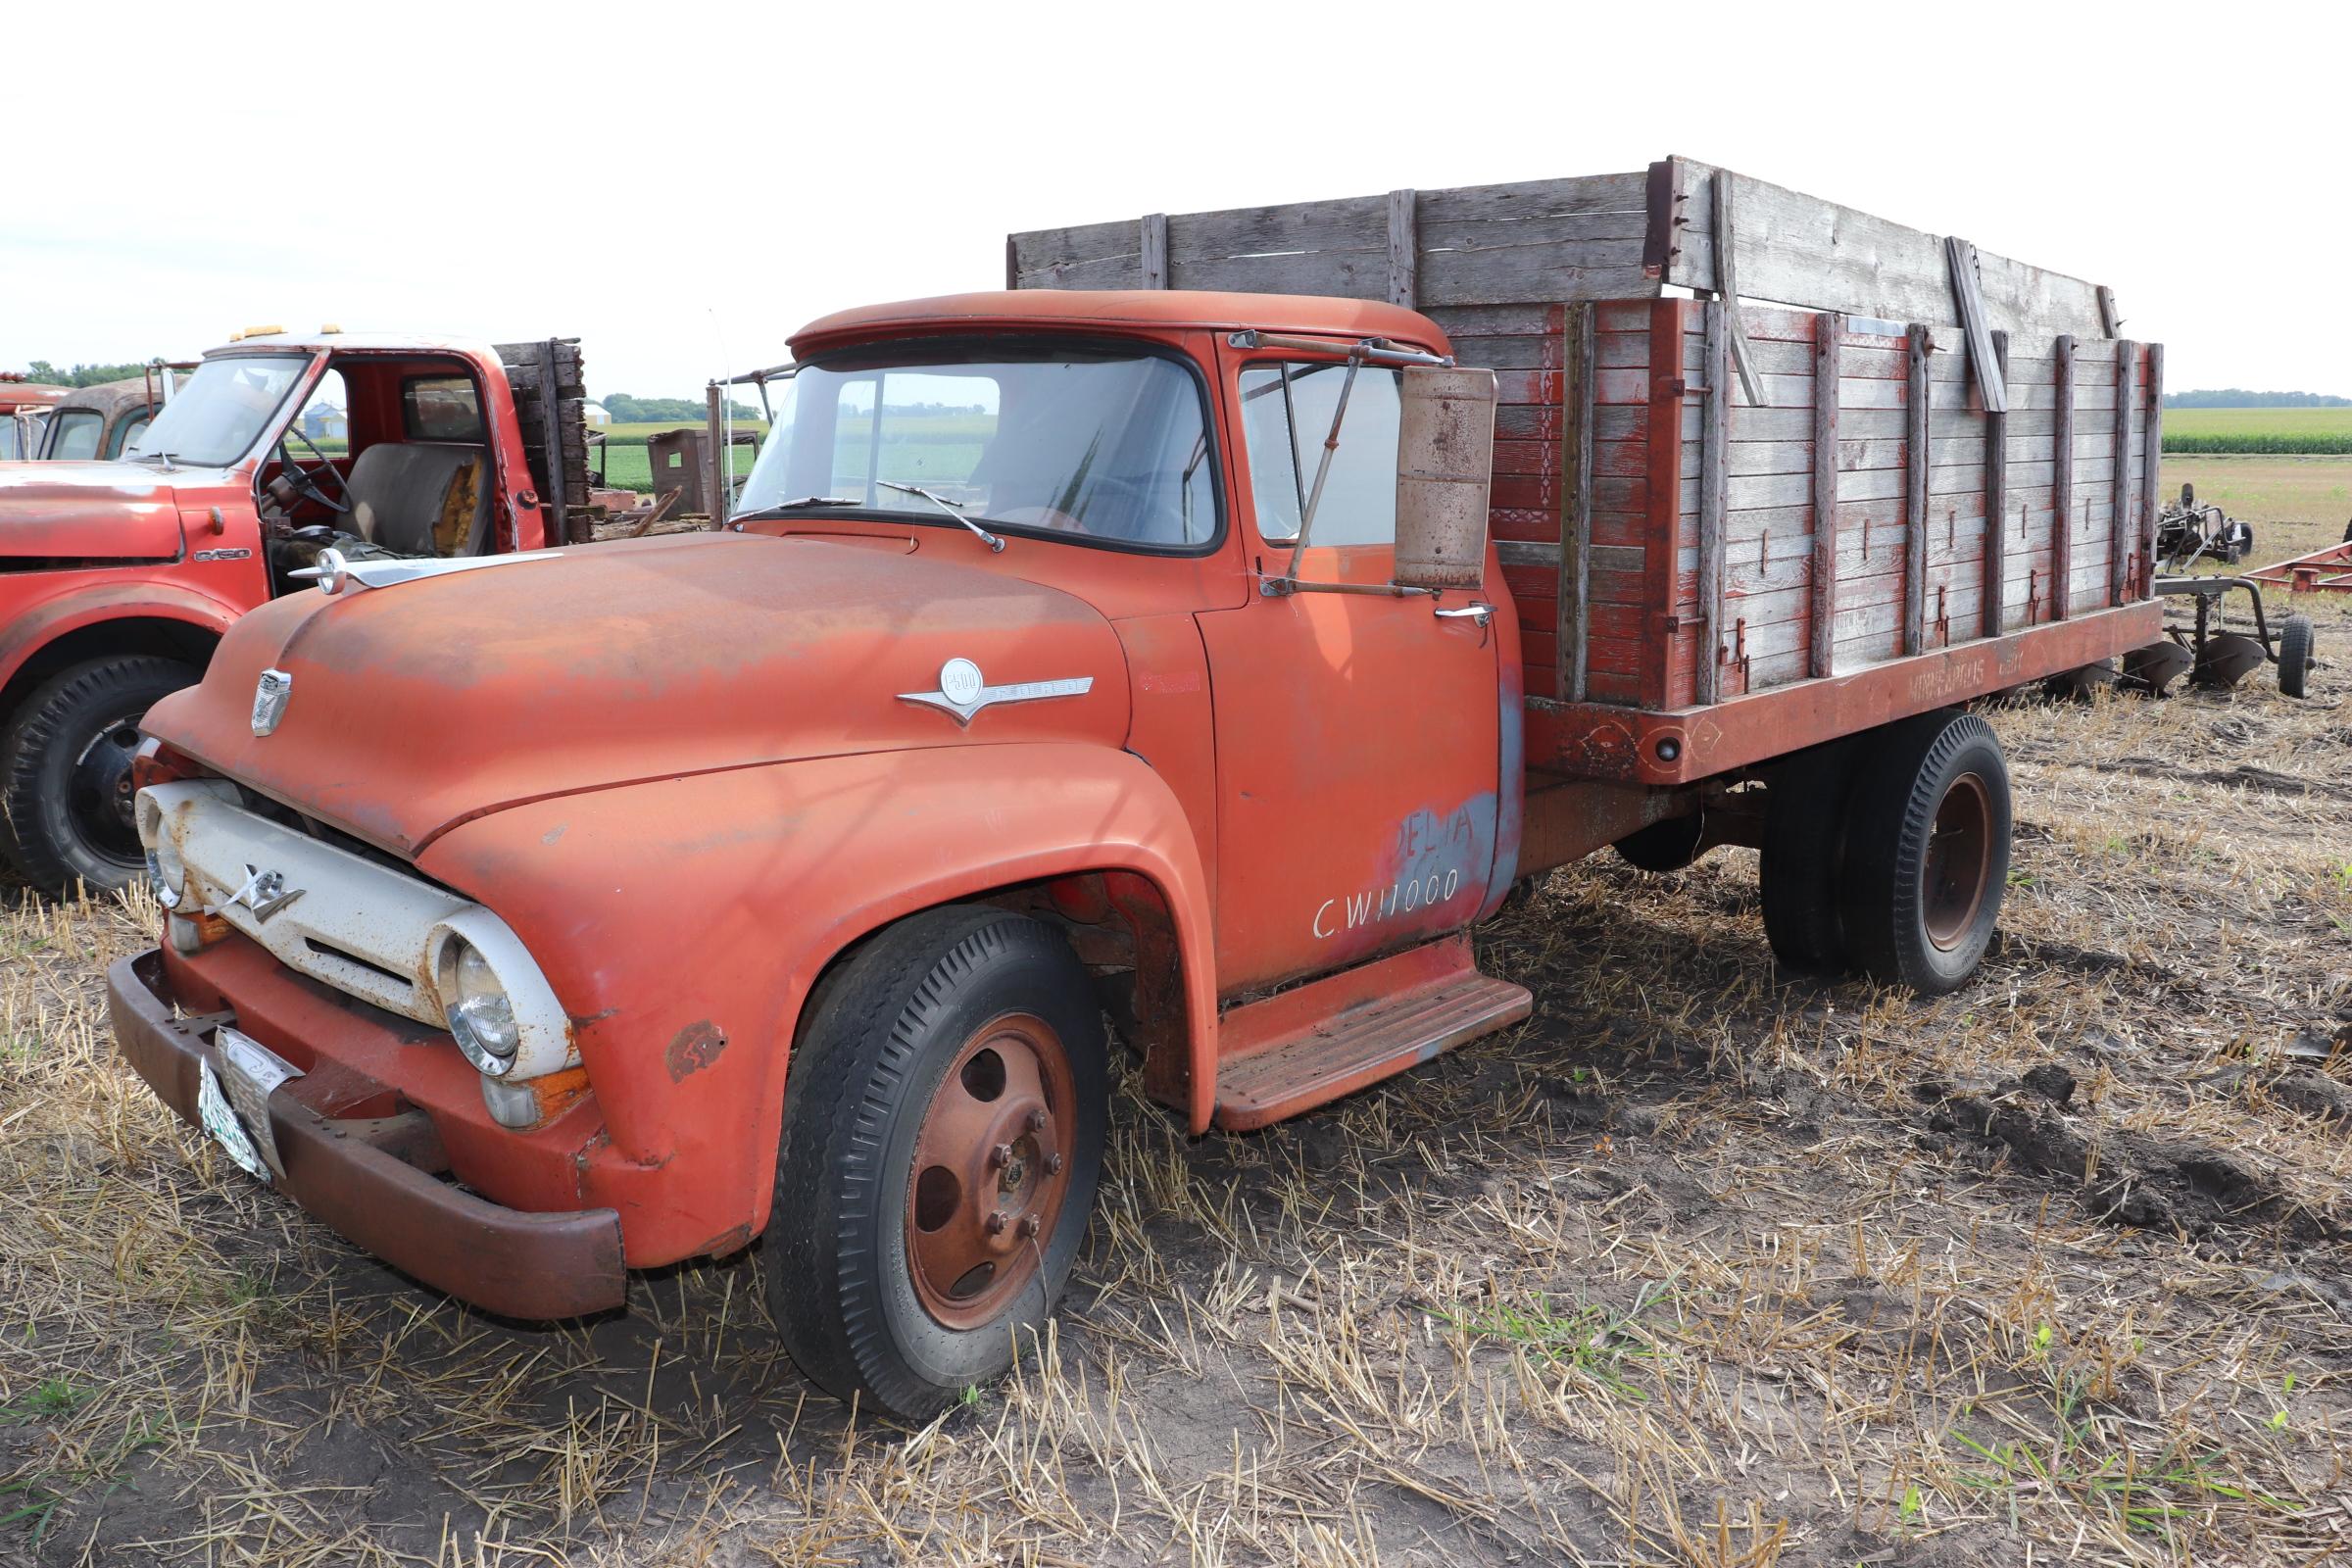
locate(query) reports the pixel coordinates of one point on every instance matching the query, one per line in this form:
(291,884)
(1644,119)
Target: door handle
(1482,613)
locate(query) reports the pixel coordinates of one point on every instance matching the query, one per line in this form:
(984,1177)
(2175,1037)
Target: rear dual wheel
(1889,852)
(943,1137)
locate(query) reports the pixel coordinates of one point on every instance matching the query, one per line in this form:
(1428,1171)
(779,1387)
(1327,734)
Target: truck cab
(155,524)
(24,414)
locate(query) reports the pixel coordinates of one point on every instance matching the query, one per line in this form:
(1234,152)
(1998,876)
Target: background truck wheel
(1666,846)
(1927,854)
(1804,826)
(2294,654)
(65,772)
(943,1135)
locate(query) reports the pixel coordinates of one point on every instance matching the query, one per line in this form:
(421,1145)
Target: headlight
(481,1015)
(167,872)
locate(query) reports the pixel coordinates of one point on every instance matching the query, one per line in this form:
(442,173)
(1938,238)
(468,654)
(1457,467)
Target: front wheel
(1927,854)
(65,772)
(944,1124)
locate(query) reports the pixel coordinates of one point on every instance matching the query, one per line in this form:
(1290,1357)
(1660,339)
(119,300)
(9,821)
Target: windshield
(1106,445)
(221,410)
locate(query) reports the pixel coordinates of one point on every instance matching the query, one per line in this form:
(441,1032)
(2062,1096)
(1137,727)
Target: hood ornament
(962,692)
(264,892)
(270,694)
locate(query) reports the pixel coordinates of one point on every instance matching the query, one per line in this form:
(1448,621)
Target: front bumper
(350,1173)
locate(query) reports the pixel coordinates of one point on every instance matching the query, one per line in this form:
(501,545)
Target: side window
(1285,418)
(440,408)
(73,434)
(129,431)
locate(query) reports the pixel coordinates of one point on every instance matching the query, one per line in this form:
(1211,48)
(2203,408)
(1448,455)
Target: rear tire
(1667,846)
(1804,842)
(2294,656)
(1927,852)
(953,1072)
(65,772)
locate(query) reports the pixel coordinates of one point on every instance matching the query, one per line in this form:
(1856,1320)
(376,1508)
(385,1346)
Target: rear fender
(683,923)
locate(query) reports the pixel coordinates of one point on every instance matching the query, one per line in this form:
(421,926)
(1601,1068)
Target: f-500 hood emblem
(270,695)
(962,692)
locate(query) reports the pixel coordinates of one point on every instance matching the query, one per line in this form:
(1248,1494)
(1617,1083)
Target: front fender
(24,631)
(683,922)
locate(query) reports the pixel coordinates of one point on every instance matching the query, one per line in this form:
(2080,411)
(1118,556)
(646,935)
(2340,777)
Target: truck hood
(91,510)
(419,705)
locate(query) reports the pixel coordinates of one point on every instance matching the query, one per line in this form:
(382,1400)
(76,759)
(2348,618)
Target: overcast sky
(683,186)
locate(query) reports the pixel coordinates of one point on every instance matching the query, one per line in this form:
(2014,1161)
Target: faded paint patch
(696,1046)
(554,833)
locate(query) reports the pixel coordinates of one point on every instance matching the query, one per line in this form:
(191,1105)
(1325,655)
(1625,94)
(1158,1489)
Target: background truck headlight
(481,1015)
(167,873)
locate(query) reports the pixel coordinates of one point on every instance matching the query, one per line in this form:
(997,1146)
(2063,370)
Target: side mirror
(1445,470)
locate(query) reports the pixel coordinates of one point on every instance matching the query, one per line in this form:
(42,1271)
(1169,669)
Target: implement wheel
(2294,656)
(1804,840)
(1927,852)
(943,1135)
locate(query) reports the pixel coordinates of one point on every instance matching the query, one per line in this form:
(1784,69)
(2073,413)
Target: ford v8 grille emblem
(269,697)
(962,692)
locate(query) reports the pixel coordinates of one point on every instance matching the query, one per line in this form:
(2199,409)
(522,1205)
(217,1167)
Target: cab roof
(358,343)
(1064,307)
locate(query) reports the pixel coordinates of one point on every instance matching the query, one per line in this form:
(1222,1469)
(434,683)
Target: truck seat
(420,498)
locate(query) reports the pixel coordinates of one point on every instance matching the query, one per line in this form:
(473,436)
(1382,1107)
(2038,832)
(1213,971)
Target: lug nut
(1053,1165)
(1030,1226)
(1000,1157)
(995,1223)
(1036,1121)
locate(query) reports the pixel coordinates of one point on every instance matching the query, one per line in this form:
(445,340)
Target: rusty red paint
(694,1047)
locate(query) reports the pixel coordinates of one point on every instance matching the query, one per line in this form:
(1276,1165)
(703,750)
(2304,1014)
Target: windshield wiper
(163,458)
(994,543)
(779,509)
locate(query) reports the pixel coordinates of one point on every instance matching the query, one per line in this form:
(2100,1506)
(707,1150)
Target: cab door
(1358,734)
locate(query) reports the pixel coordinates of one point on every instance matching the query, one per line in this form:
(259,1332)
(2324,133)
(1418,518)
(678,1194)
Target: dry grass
(1701,1266)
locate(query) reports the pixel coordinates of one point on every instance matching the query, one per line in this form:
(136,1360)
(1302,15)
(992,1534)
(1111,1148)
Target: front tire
(944,1124)
(65,772)
(1927,852)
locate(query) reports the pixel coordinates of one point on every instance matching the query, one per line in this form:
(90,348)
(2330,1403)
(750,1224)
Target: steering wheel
(305,480)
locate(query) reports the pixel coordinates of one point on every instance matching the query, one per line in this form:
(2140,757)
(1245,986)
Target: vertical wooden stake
(2122,527)
(719,463)
(1152,242)
(1916,497)
(1404,250)
(1714,463)
(2151,464)
(1662,518)
(2062,482)
(1996,491)
(1828,329)
(1575,501)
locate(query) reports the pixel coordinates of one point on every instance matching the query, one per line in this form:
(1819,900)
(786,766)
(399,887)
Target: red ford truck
(117,577)
(1206,663)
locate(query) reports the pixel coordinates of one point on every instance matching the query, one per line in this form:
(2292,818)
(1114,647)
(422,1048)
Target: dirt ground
(1702,1265)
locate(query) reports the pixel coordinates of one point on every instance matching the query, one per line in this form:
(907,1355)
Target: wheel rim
(100,798)
(991,1167)
(1959,858)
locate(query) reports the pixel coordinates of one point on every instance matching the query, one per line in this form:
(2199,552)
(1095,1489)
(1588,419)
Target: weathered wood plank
(1827,329)
(1917,498)
(1960,257)
(1660,505)
(1713,479)
(1404,250)
(2062,481)
(1576,499)
(1726,248)
(1801,250)
(2119,556)
(1996,485)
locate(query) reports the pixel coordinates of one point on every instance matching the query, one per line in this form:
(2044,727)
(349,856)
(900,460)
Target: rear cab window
(440,408)
(1287,409)
(73,434)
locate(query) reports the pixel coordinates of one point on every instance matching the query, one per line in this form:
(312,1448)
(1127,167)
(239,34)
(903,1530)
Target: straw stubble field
(1705,1264)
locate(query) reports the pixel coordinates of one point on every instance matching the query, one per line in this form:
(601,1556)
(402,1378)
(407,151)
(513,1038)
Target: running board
(1331,1037)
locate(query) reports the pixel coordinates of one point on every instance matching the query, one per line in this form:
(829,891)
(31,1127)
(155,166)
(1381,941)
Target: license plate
(234,1100)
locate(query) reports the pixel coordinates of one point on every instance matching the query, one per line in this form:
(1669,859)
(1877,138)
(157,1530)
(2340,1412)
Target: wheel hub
(101,795)
(1959,860)
(990,1171)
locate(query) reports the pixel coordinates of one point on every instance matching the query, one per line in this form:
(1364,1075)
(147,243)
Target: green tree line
(626,409)
(2232,397)
(41,371)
